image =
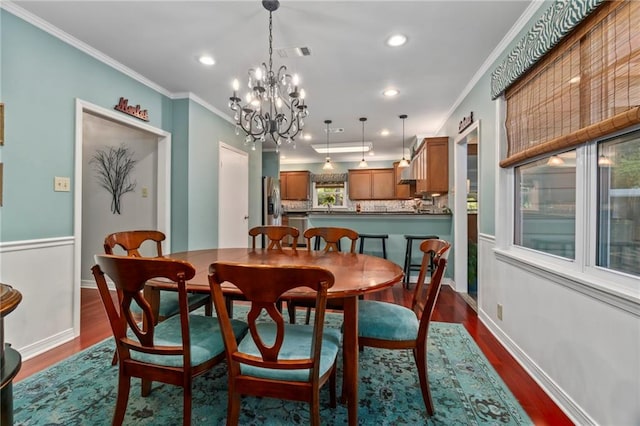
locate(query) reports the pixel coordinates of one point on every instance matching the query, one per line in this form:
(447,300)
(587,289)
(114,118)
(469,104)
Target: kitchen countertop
(367,213)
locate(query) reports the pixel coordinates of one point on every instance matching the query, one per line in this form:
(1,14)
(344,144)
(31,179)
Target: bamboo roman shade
(585,88)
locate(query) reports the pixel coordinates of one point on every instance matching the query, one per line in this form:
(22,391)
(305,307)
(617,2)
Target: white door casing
(163,196)
(233,197)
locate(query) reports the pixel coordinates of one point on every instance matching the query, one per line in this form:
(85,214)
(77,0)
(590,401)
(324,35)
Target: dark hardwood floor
(451,307)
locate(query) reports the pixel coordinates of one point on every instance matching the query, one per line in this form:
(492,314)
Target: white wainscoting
(42,271)
(581,349)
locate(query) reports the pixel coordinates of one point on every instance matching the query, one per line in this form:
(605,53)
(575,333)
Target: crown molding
(83,47)
(526,16)
(195,98)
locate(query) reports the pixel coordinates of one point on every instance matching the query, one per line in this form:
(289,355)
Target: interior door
(233,198)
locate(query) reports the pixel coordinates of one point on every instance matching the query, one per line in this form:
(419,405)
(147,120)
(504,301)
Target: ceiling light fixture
(384,132)
(327,164)
(206,60)
(363,163)
(274,104)
(396,40)
(555,161)
(404,162)
(343,148)
(389,93)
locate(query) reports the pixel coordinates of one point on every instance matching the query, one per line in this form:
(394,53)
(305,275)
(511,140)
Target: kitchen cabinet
(372,184)
(295,185)
(403,190)
(431,166)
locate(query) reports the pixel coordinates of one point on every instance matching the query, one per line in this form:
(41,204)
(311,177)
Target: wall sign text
(134,111)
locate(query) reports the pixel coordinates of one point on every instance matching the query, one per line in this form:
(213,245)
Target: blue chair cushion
(206,340)
(169,302)
(296,345)
(386,321)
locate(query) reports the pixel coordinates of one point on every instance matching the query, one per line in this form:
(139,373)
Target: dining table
(355,275)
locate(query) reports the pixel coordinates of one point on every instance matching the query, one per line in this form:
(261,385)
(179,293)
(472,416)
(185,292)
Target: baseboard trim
(551,388)
(47,344)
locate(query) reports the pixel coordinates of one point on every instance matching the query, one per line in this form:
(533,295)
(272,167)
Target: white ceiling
(349,66)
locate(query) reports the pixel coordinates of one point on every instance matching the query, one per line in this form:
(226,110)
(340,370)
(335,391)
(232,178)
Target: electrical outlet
(61,184)
(145,192)
(499,311)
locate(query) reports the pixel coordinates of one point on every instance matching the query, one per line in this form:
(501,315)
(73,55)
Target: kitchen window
(336,193)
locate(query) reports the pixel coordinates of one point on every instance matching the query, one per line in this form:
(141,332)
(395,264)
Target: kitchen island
(395,224)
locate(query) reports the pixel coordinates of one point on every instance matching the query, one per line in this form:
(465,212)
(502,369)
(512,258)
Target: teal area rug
(82,389)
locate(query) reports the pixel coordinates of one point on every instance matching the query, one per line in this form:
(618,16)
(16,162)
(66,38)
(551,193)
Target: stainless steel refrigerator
(271,202)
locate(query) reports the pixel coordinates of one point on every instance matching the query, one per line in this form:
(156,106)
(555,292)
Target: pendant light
(363,163)
(327,164)
(404,162)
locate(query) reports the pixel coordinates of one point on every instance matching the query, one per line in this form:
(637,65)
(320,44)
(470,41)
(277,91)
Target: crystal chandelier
(404,162)
(327,164)
(274,106)
(363,162)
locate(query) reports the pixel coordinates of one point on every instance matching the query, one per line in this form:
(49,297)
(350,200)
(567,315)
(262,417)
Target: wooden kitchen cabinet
(403,190)
(372,184)
(431,166)
(295,185)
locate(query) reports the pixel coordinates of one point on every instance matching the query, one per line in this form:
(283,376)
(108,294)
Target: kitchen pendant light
(404,162)
(327,164)
(363,163)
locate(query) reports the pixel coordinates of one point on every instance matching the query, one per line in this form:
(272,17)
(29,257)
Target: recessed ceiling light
(390,92)
(307,137)
(396,40)
(206,60)
(384,132)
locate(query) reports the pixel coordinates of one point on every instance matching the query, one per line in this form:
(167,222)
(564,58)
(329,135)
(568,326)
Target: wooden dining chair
(390,326)
(172,351)
(276,359)
(331,237)
(132,243)
(275,234)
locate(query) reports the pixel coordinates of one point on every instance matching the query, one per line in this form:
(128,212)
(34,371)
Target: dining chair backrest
(275,359)
(275,234)
(153,351)
(331,237)
(424,298)
(132,241)
(129,274)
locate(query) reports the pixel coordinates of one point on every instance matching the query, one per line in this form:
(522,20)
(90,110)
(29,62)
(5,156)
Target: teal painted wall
(41,79)
(270,164)
(205,132)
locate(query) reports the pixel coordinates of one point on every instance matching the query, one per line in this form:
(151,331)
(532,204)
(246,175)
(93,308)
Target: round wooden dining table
(355,275)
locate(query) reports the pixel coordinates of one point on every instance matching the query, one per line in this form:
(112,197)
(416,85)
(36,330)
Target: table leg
(350,358)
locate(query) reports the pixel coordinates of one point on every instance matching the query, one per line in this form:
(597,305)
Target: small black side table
(10,359)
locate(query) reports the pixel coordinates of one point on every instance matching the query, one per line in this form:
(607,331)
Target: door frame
(163,206)
(461,233)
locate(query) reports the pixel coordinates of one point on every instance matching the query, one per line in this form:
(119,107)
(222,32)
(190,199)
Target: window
(545,210)
(335,193)
(618,228)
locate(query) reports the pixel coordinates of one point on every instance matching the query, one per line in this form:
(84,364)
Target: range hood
(406,174)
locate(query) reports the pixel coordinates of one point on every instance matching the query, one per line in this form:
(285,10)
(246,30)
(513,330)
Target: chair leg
(146,387)
(307,320)
(186,417)
(114,361)
(314,408)
(332,387)
(124,385)
(233,409)
(420,356)
(208,308)
(291,307)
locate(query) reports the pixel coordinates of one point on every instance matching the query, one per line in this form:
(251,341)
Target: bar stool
(408,266)
(382,237)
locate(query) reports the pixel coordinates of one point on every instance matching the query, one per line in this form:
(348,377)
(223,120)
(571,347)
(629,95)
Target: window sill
(604,290)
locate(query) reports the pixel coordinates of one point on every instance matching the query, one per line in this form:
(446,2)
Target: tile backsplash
(371,205)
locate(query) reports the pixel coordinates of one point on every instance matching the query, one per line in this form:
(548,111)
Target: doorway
(97,129)
(466,184)
(233,197)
